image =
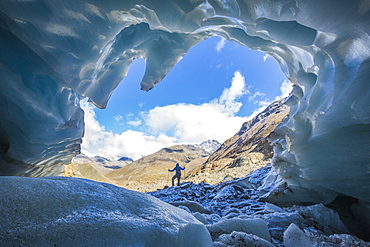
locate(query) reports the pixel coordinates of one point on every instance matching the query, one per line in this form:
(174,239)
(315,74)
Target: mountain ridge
(251,141)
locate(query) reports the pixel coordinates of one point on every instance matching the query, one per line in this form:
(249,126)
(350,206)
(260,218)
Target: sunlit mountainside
(250,142)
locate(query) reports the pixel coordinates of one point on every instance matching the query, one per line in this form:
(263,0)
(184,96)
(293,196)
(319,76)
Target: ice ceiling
(53,53)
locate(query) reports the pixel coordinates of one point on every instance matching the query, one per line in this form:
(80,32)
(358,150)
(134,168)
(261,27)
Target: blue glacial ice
(59,211)
(53,53)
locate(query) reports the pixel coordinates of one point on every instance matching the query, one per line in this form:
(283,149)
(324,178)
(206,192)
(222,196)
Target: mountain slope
(249,145)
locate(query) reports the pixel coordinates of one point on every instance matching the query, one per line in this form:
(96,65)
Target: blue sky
(216,87)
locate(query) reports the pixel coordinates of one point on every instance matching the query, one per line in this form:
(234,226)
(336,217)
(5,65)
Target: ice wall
(54,52)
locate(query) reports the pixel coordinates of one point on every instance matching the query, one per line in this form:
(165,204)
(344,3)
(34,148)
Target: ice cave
(54,53)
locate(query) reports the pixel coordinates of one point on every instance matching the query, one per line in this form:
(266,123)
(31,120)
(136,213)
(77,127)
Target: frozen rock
(278,222)
(325,217)
(200,217)
(56,52)
(232,215)
(341,240)
(316,222)
(294,236)
(241,239)
(253,226)
(230,211)
(59,211)
(272,208)
(192,206)
(212,218)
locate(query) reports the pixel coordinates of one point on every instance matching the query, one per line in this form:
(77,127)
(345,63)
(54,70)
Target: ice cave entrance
(233,80)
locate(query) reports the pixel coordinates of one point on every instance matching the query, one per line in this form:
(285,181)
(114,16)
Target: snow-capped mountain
(210,146)
(108,161)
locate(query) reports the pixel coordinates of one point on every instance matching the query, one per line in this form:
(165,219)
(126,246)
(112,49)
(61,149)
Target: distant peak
(210,145)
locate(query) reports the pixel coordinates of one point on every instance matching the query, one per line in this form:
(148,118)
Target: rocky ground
(236,213)
(206,177)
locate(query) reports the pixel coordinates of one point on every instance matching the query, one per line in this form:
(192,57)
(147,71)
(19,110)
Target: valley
(209,162)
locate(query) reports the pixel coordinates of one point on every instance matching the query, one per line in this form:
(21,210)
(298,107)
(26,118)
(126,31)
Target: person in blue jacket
(177,175)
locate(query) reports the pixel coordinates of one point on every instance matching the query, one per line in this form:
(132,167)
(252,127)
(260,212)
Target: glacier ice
(60,211)
(294,236)
(256,227)
(53,53)
(325,217)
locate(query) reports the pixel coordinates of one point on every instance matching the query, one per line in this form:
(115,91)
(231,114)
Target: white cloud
(255,95)
(133,144)
(195,123)
(285,88)
(220,44)
(230,95)
(118,120)
(135,123)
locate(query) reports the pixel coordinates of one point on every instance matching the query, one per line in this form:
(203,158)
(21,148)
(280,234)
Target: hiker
(177,175)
